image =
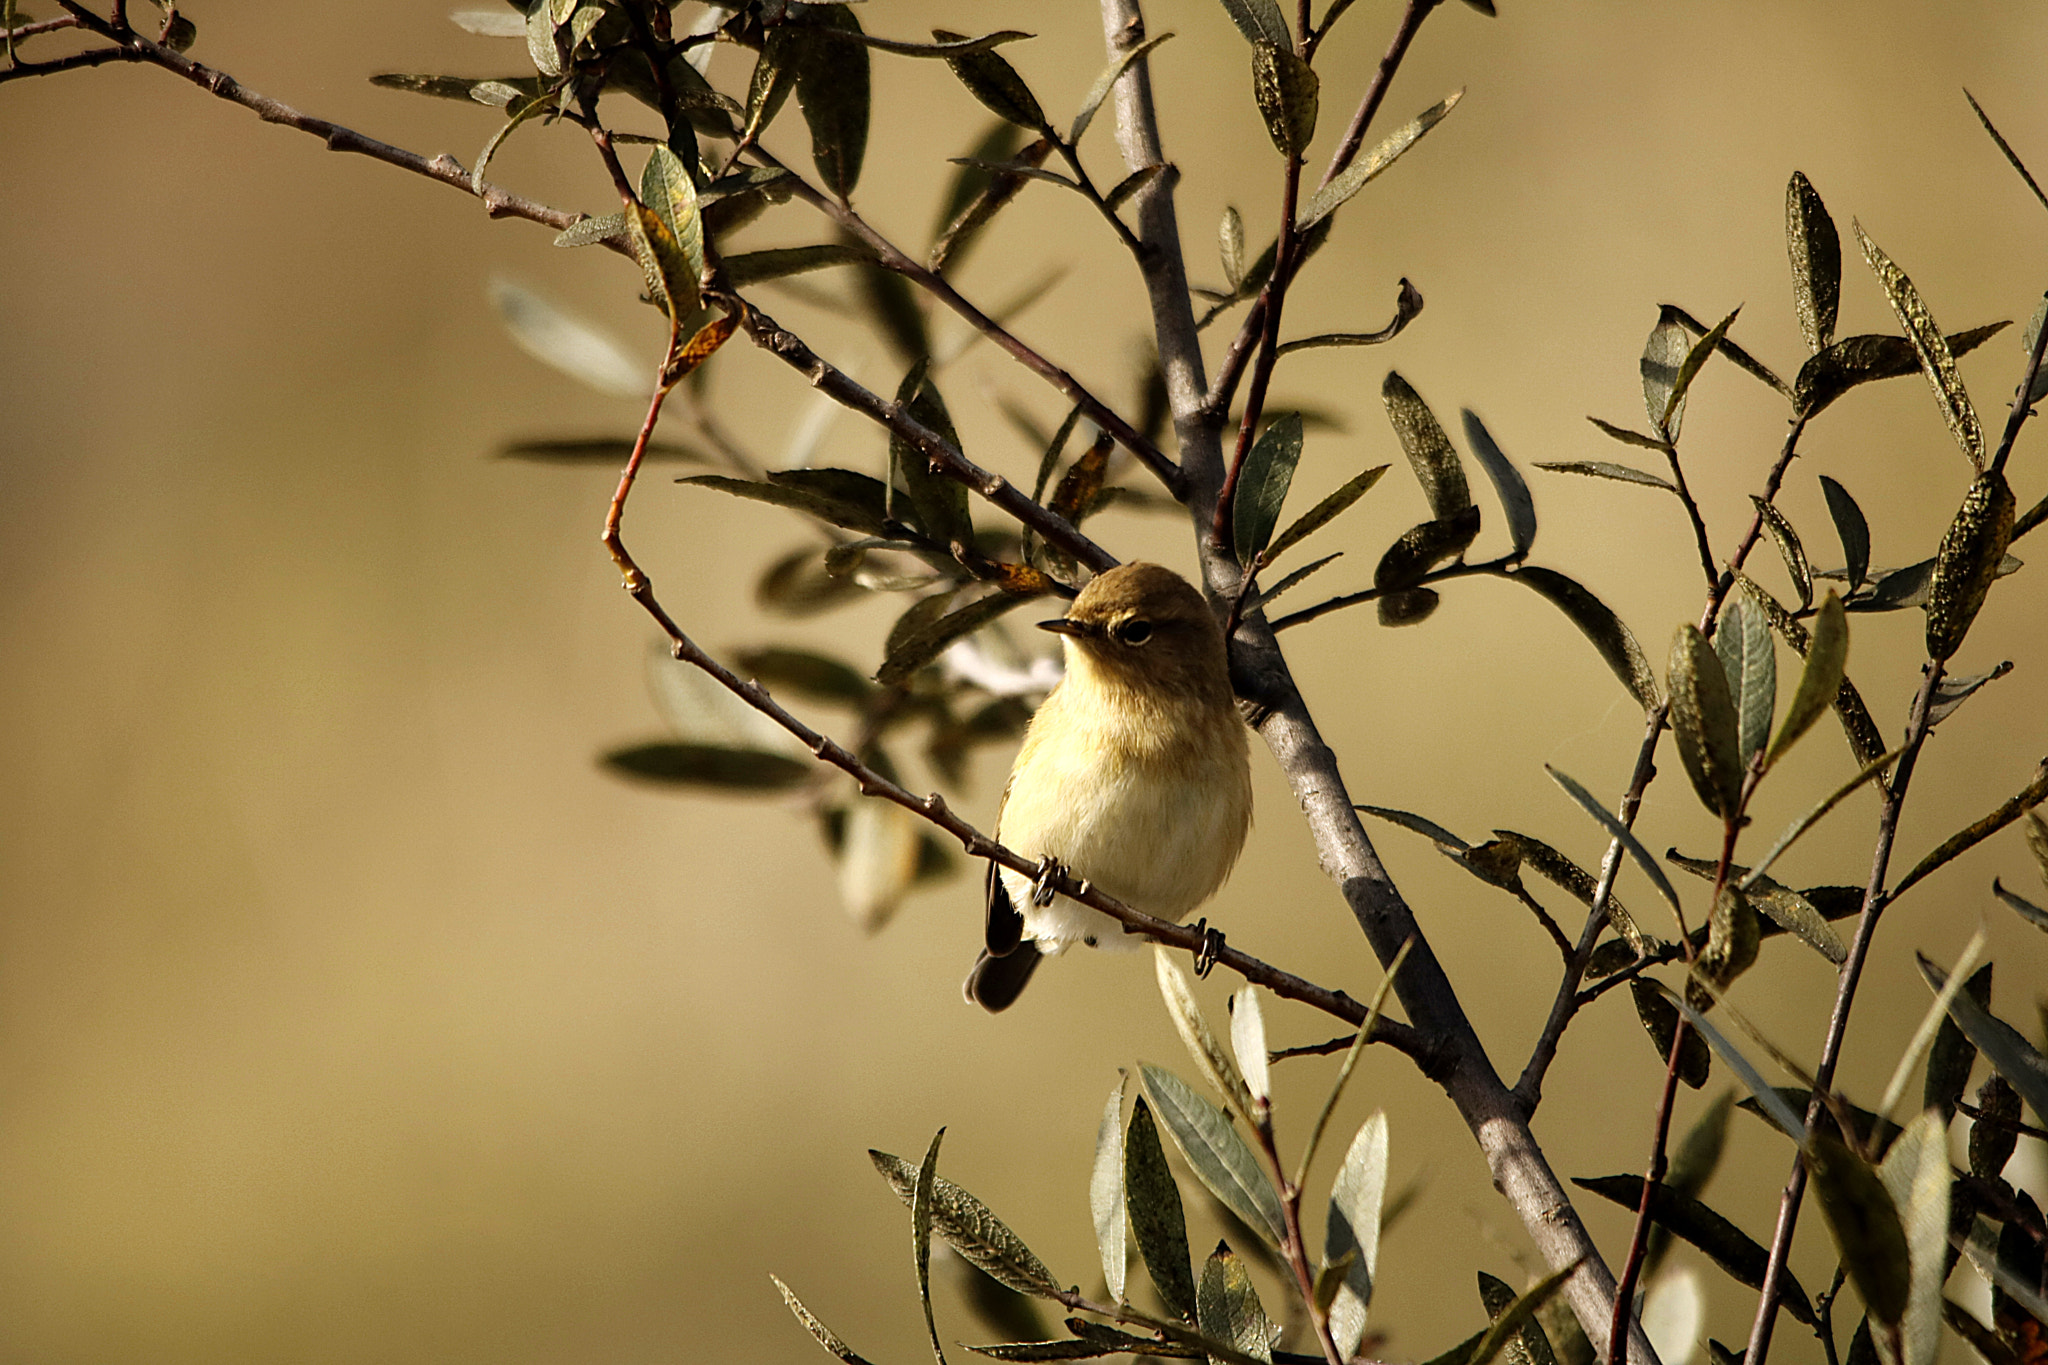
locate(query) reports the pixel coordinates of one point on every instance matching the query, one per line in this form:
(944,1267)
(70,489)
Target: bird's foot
(1211,949)
(1049,871)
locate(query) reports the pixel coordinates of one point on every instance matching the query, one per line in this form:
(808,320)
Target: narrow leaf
(1259,21)
(1968,561)
(921,646)
(1614,641)
(1286,89)
(1121,192)
(840,506)
(779,263)
(820,1333)
(1936,360)
(2009,1053)
(1518,1314)
(1663,353)
(1789,549)
(1860,1212)
(1816,251)
(1105,83)
(1530,1345)
(1554,867)
(937,503)
(1952,1055)
(1355,177)
(571,345)
(990,78)
(1210,1057)
(1323,513)
(1703,722)
(1820,680)
(1353,1230)
(1861,359)
(1513,490)
(1156,1218)
(1215,1152)
(1728,1246)
(1106,1193)
(970,1228)
(1634,847)
(1688,369)
(1601,469)
(709,765)
(1952,691)
(1749,659)
(1813,816)
(1772,1102)
(1248,1043)
(1853,530)
(1263,483)
(1916,1175)
(1659,1018)
(1372,1017)
(2026,909)
(1429,451)
(832,86)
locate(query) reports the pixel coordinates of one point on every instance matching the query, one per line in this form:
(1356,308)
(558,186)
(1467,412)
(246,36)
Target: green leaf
(990,78)
(1733,936)
(1952,1055)
(1230,247)
(1554,867)
(1860,1213)
(1105,83)
(983,1240)
(1601,469)
(1323,513)
(1936,360)
(1156,1219)
(1286,88)
(1429,451)
(832,86)
(1262,484)
(1968,561)
(1952,691)
(1816,251)
(605,450)
(1121,192)
(1106,1193)
(1353,1230)
(1359,173)
(775,72)
(1066,1348)
(1772,1103)
(1632,845)
(1508,483)
(816,677)
(1703,722)
(1660,1020)
(1979,830)
(1820,680)
(1631,438)
(1266,596)
(852,500)
(1789,548)
(709,765)
(519,113)
(1422,548)
(779,263)
(1861,359)
(920,646)
(1248,1043)
(1259,20)
(1214,1062)
(822,1334)
(481,90)
(1530,1346)
(1688,369)
(1663,354)
(594,231)
(937,503)
(1853,530)
(1812,817)
(1519,1314)
(921,1238)
(1749,661)
(1692,1222)
(568,343)
(1215,1152)
(946,48)
(1916,1175)
(1614,641)
(2024,908)
(1227,1307)
(2010,1054)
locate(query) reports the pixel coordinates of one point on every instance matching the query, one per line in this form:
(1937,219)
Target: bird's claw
(1049,870)
(1211,949)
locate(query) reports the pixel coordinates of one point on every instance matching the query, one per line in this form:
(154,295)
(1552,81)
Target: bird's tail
(996,982)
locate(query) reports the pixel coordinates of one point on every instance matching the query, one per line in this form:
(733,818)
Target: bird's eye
(1135,631)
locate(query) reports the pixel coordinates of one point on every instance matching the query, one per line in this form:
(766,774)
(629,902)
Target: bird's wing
(1004,928)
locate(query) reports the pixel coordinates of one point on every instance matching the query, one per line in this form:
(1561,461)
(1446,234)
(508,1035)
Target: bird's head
(1144,625)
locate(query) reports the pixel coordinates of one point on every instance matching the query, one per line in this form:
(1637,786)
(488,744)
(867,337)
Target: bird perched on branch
(1134,776)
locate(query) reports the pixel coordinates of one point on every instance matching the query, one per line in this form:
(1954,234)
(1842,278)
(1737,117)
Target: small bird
(1134,776)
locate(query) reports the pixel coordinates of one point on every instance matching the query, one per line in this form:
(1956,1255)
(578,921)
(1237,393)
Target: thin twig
(1874,903)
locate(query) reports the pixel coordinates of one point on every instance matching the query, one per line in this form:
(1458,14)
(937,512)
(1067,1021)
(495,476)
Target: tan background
(347,1012)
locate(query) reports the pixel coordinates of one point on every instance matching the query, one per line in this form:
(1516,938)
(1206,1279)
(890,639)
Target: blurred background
(349,1011)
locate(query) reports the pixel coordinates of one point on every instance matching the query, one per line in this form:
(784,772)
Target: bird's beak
(1067,625)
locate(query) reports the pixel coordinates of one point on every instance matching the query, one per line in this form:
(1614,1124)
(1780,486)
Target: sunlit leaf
(1106,1194)
(1248,1043)
(1354,177)
(1663,353)
(1861,359)
(573,346)
(1353,1230)
(1749,659)
(1105,83)
(1798,827)
(1632,845)
(822,1334)
(1259,21)
(1228,1309)
(1286,89)
(1216,1064)
(1215,1152)
(1508,1325)
(1936,360)
(1970,555)
(1429,451)
(1601,469)
(1816,251)
(1703,722)
(1530,1346)
(972,1229)
(2016,1059)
